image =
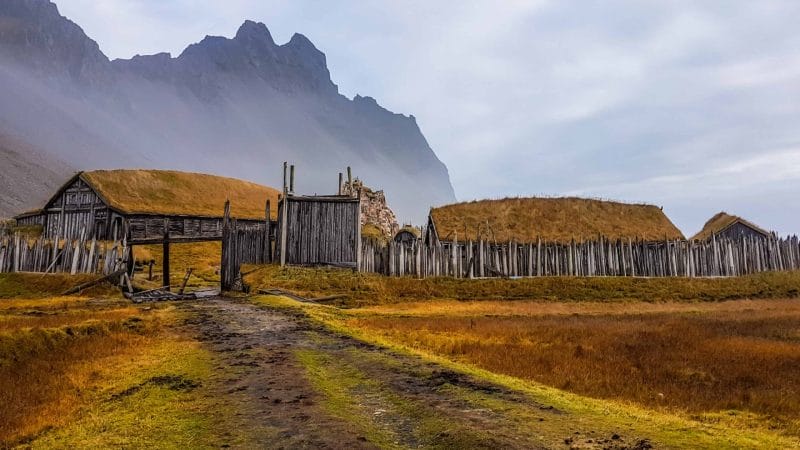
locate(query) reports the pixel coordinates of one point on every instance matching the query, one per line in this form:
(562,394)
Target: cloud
(693,105)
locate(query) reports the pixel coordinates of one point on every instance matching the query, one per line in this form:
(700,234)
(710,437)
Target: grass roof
(720,222)
(181,193)
(552,219)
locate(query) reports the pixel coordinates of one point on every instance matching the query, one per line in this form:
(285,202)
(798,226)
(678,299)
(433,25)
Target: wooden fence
(718,257)
(19,253)
(244,242)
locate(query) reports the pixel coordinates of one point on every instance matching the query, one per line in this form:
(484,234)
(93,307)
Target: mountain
(236,106)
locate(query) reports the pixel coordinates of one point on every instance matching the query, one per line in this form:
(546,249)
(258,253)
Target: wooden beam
(165,263)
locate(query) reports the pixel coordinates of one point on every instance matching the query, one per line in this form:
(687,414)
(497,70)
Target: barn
(556,220)
(149,204)
(724,225)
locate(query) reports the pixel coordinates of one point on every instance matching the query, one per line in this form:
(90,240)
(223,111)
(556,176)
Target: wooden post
(267,231)
(291,178)
(165,264)
(284,218)
(358,229)
(350,178)
(340,183)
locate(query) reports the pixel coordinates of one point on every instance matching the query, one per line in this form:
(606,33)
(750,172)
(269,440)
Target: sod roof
(720,222)
(552,220)
(168,192)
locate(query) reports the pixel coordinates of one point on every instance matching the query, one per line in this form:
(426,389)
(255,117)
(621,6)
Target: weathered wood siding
(716,258)
(738,230)
(150,228)
(321,230)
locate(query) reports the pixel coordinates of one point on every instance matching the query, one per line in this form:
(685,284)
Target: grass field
(80,372)
(733,358)
(202,257)
(369,289)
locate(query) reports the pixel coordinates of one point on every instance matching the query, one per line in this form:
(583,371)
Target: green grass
(370,289)
(378,411)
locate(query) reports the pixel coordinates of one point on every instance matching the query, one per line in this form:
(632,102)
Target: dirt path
(294,384)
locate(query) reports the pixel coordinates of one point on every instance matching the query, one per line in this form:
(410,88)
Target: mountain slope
(237,107)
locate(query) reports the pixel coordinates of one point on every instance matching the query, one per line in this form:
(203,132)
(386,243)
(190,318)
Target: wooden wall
(320,230)
(739,230)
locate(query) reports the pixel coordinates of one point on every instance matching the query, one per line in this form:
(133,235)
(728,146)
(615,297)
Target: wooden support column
(267,241)
(165,264)
(358,229)
(284,206)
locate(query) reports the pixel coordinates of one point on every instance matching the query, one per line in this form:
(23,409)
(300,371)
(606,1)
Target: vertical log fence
(601,257)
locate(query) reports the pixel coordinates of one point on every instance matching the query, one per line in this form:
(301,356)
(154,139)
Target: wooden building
(150,205)
(554,220)
(407,235)
(724,225)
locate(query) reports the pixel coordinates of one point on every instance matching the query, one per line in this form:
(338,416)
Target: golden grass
(184,193)
(49,362)
(203,257)
(552,220)
(719,222)
(702,360)
(667,429)
(369,289)
(36,285)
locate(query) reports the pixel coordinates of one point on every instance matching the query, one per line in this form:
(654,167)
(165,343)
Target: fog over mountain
(235,107)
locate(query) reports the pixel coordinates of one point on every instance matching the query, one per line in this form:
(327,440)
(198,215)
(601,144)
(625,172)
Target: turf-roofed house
(555,220)
(149,204)
(724,225)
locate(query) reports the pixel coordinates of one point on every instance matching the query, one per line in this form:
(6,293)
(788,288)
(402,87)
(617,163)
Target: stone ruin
(374,210)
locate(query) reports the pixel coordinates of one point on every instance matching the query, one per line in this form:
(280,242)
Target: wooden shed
(729,226)
(556,220)
(407,235)
(150,204)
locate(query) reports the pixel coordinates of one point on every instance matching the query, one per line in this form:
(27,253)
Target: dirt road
(294,384)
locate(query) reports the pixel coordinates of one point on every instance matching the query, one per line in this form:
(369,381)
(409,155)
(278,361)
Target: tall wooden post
(340,183)
(224,267)
(267,238)
(165,263)
(358,229)
(284,206)
(291,178)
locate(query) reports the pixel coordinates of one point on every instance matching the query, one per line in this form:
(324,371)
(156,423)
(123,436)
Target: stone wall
(374,209)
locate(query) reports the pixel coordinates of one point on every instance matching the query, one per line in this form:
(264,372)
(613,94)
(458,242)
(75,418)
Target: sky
(690,105)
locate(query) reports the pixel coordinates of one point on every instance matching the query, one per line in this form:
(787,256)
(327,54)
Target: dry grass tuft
(172,192)
(552,220)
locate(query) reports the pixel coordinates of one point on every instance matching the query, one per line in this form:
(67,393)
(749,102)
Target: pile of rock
(374,210)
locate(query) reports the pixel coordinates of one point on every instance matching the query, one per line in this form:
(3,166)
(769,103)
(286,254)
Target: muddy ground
(356,395)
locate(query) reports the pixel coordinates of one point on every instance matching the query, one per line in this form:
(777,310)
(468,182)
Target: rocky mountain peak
(34,34)
(254,33)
